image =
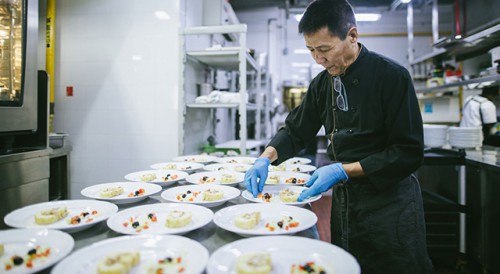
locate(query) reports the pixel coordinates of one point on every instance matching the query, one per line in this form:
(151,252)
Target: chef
(368,106)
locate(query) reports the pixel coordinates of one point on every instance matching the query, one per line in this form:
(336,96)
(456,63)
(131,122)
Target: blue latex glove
(259,171)
(323,179)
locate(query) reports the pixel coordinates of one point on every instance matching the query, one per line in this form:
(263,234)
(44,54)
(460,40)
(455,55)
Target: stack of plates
(465,137)
(435,135)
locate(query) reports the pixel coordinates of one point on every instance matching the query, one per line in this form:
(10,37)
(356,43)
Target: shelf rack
(490,78)
(230,59)
(461,49)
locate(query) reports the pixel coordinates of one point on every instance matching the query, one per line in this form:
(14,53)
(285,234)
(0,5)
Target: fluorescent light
(301,65)
(301,51)
(405,1)
(368,17)
(162,15)
(359,16)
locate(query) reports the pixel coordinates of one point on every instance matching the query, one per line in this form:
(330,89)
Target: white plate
(172,193)
(151,247)
(214,177)
(237,160)
(201,217)
(285,251)
(160,175)
(298,160)
(274,190)
(228,167)
(203,159)
(20,241)
(182,166)
(24,217)
(129,192)
(224,218)
(292,168)
(286,177)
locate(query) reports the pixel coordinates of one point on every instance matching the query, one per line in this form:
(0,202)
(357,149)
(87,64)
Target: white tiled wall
(122,62)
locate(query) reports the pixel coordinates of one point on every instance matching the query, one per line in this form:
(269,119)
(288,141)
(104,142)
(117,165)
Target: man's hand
(323,179)
(258,172)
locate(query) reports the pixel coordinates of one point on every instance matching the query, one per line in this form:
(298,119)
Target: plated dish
(264,219)
(67,215)
(287,178)
(228,167)
(159,177)
(293,168)
(206,195)
(284,253)
(298,160)
(152,253)
(121,192)
(202,159)
(32,250)
(188,167)
(237,160)
(160,218)
(280,194)
(230,178)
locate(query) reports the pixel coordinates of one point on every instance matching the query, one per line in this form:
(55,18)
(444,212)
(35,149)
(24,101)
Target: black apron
(383,229)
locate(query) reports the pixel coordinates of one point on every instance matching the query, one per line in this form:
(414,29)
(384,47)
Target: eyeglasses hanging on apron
(341,192)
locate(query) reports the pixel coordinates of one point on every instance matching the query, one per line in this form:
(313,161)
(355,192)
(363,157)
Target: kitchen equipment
(292,96)
(18,69)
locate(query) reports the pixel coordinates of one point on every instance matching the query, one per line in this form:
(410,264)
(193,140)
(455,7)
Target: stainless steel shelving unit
(229,59)
(461,49)
(490,78)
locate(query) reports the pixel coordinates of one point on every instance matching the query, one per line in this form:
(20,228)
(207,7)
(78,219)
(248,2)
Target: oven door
(18,65)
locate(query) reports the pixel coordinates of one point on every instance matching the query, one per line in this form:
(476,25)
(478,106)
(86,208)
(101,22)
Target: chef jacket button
(350,131)
(355,82)
(336,130)
(335,108)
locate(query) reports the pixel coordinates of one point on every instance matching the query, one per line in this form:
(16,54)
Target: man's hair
(337,15)
(490,91)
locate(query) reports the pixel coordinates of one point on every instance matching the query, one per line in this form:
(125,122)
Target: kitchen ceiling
(296,4)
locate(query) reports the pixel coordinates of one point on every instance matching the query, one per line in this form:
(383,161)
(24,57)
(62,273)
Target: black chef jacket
(382,128)
(378,218)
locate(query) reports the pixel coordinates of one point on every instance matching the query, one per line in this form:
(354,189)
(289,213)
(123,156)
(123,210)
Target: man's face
(329,51)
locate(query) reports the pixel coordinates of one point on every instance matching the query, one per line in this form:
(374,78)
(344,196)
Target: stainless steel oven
(18,68)
(24,157)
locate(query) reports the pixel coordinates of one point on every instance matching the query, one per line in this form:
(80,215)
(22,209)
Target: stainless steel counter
(468,179)
(210,236)
(487,155)
(24,180)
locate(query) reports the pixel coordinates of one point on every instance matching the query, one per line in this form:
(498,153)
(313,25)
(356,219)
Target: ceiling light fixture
(162,15)
(361,17)
(301,51)
(301,65)
(367,17)
(405,1)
